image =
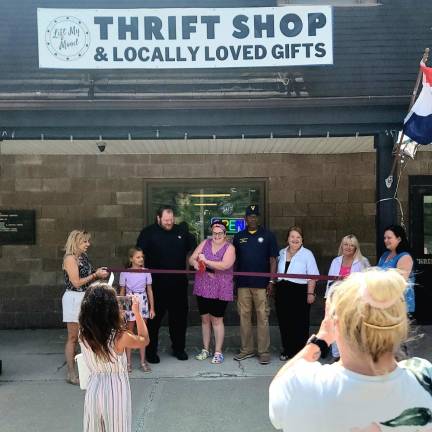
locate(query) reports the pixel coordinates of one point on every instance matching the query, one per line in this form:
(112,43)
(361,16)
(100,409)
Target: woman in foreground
(368,390)
(103,340)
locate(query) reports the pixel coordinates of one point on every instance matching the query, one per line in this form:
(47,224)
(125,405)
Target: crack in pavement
(213,375)
(147,406)
(62,366)
(241,367)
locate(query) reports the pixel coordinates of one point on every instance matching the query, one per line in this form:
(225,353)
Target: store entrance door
(420,203)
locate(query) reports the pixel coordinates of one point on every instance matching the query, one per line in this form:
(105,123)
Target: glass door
(420,203)
(197,203)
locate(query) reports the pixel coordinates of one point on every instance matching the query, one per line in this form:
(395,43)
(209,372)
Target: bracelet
(312,294)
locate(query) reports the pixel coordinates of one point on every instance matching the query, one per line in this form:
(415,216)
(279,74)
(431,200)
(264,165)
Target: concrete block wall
(328,195)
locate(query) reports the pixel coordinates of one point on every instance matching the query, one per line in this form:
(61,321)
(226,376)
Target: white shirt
(336,264)
(311,397)
(303,262)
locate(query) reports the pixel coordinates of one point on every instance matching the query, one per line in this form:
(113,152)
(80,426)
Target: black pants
(292,311)
(173,300)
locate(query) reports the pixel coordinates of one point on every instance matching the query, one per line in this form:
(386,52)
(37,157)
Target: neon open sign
(233,225)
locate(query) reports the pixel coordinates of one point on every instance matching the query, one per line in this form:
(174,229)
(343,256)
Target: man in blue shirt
(256,251)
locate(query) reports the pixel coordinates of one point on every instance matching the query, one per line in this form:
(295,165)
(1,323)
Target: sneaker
(218,358)
(242,356)
(152,358)
(284,357)
(264,358)
(204,354)
(180,355)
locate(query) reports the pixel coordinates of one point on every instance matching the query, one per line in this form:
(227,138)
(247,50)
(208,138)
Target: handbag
(83,371)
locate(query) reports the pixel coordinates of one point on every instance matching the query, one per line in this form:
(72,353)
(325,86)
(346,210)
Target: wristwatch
(321,344)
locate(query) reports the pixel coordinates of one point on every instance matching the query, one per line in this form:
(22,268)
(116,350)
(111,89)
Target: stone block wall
(328,195)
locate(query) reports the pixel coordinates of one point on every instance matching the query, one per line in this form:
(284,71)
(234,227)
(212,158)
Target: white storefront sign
(185,38)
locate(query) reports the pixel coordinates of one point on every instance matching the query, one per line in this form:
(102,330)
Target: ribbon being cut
(418,122)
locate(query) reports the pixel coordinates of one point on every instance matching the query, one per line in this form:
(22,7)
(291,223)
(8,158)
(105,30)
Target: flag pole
(396,150)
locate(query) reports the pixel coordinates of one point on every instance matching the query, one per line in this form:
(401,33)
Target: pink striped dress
(107,405)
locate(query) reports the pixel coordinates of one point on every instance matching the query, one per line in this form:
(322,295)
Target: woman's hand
(202,258)
(101,273)
(196,265)
(152,314)
(327,328)
(310,298)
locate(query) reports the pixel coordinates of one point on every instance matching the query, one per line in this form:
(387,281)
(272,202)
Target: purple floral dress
(217,285)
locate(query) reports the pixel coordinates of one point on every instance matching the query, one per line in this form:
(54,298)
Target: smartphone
(125,302)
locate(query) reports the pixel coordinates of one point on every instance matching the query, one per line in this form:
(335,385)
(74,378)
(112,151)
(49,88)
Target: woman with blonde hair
(78,275)
(368,390)
(349,260)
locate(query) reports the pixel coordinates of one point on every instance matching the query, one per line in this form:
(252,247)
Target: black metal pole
(386,207)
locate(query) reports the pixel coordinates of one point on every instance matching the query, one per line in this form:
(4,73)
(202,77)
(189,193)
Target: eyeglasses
(218,233)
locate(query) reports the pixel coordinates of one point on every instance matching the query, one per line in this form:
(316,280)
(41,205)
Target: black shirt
(166,250)
(253,252)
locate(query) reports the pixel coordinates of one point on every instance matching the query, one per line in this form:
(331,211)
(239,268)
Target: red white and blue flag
(418,122)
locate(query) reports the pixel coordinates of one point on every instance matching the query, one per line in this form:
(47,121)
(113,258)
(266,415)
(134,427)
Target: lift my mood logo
(184,38)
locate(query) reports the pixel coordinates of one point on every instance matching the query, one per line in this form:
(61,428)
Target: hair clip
(380,327)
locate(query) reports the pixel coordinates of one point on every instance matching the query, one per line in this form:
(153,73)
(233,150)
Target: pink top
(217,285)
(345,271)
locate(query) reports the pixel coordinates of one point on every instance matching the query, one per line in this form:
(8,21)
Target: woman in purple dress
(214,259)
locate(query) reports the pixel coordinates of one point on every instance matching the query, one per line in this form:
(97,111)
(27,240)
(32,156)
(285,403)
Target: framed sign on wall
(17,227)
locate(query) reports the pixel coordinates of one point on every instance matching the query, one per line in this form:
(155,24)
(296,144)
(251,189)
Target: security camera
(101,146)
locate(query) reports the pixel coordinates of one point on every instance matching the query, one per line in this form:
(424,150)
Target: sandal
(218,358)
(203,355)
(74,380)
(145,367)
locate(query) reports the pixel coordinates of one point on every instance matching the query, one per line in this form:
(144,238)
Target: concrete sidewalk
(176,396)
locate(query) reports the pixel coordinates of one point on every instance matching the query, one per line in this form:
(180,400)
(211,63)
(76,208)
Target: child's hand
(136,305)
(152,314)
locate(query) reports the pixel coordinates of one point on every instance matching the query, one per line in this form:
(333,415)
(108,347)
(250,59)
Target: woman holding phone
(78,275)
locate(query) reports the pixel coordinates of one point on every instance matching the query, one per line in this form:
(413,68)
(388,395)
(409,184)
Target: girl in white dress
(103,339)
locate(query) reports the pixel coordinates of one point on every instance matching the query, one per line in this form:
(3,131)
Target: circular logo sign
(67,38)
(227,208)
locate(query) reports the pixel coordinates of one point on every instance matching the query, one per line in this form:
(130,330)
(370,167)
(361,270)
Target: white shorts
(71,303)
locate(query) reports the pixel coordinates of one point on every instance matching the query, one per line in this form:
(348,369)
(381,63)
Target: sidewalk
(176,396)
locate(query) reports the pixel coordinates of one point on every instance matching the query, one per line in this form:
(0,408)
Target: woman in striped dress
(103,340)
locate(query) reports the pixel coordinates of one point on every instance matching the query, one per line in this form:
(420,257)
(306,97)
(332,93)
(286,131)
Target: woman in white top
(103,340)
(294,296)
(367,391)
(349,260)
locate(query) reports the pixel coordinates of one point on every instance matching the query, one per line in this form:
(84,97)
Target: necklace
(290,254)
(347,262)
